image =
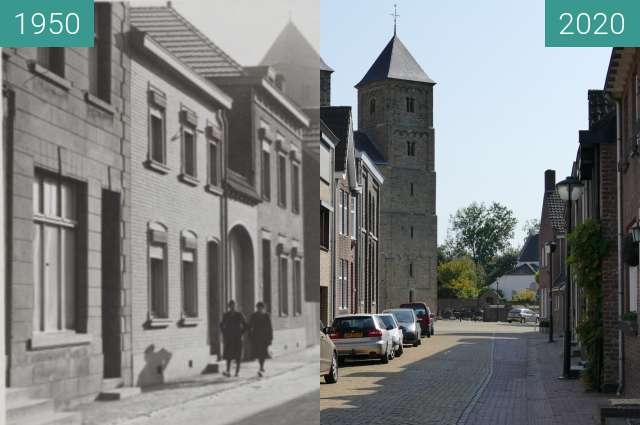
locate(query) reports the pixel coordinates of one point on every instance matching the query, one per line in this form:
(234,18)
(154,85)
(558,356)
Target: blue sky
(506,107)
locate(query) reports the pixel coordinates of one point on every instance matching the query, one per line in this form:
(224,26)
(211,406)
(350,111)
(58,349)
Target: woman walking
(260,334)
(233,325)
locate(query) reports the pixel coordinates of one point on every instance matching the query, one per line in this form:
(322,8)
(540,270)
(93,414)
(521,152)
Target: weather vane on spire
(395,17)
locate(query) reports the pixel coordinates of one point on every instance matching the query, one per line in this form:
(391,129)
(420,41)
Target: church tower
(395,111)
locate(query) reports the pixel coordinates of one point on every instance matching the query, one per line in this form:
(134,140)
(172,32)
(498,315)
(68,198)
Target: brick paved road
(468,374)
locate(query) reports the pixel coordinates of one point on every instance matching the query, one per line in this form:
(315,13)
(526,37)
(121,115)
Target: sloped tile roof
(555,207)
(292,47)
(338,119)
(395,62)
(364,144)
(530,251)
(178,36)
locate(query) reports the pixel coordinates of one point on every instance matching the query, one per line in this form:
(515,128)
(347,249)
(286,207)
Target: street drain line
(462,420)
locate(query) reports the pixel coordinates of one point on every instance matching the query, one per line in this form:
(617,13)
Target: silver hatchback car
(521,315)
(363,336)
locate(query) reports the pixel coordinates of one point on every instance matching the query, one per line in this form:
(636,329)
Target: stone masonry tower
(395,110)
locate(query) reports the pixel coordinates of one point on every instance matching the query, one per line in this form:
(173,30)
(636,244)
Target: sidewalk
(158,402)
(524,388)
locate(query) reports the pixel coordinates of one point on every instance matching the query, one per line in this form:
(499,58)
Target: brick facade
(165,351)
(59,129)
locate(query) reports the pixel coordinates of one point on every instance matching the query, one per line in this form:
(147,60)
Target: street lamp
(549,249)
(569,189)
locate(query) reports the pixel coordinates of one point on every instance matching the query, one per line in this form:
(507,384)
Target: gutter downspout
(619,243)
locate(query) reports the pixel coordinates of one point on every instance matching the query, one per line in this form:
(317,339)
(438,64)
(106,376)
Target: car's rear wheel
(400,351)
(384,359)
(332,376)
(416,342)
(509,321)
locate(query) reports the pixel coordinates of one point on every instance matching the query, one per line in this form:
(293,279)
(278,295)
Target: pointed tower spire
(395,18)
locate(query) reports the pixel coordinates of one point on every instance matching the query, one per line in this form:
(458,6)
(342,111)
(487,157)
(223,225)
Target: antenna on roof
(395,18)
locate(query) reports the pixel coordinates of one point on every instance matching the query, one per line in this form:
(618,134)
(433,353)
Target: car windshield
(344,324)
(388,320)
(403,316)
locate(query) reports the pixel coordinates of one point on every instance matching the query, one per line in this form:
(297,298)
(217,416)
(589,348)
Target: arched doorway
(241,269)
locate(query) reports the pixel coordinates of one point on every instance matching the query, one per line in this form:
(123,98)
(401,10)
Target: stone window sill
(158,323)
(190,321)
(190,180)
(50,76)
(156,166)
(42,341)
(99,103)
(216,190)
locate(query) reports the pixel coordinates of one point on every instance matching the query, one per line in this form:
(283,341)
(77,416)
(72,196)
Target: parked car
(396,333)
(409,325)
(521,315)
(328,357)
(423,312)
(361,336)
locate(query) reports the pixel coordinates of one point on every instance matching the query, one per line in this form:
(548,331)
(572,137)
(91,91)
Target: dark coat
(233,325)
(260,334)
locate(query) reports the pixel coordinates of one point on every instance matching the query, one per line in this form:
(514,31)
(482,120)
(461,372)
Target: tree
(531,226)
(458,278)
(483,231)
(526,296)
(501,264)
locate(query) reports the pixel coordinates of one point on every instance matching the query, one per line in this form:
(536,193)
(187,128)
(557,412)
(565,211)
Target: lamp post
(549,248)
(569,189)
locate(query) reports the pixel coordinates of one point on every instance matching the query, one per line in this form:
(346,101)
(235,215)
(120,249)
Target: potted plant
(629,323)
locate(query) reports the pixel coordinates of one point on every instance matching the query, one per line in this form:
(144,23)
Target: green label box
(46,23)
(592,23)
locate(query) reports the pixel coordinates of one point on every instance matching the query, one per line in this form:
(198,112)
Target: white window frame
(160,113)
(63,223)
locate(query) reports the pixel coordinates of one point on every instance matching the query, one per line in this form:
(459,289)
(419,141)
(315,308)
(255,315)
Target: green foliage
(501,263)
(537,277)
(531,227)
(458,278)
(588,248)
(526,296)
(630,316)
(482,231)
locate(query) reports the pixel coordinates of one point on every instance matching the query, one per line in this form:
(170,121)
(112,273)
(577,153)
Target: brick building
(552,265)
(67,132)
(395,111)
(596,169)
(367,223)
(344,296)
(622,84)
(262,205)
(179,132)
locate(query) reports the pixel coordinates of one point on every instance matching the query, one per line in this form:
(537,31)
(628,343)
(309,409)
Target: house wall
(56,129)
(630,206)
(166,353)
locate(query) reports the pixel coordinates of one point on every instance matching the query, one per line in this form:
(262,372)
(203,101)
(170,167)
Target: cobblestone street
(469,374)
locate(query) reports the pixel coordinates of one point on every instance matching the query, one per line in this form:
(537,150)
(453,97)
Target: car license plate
(353,334)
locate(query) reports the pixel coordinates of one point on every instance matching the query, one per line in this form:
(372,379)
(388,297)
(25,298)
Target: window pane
(51,277)
(189,288)
(189,154)
(282,181)
(266,175)
(295,190)
(157,288)
(68,199)
(37,278)
(50,197)
(68,275)
(157,138)
(213,164)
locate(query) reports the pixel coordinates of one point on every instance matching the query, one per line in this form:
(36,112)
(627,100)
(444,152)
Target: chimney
(325,87)
(549,180)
